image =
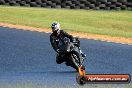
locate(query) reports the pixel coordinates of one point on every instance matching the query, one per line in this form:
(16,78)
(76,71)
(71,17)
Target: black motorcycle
(70,53)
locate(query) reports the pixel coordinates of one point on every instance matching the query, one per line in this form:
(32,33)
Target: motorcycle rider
(56,36)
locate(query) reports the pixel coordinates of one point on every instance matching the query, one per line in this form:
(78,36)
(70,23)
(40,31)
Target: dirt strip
(79,34)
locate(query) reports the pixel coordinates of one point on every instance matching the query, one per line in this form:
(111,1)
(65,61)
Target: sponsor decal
(83,78)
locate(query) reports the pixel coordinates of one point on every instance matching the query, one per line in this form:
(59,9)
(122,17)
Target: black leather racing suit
(54,39)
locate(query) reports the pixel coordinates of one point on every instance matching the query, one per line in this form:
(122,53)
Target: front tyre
(75,61)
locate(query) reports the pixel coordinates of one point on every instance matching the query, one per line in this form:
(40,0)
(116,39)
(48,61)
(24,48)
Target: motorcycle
(70,53)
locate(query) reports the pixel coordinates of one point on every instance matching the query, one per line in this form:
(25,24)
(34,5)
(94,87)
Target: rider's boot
(59,60)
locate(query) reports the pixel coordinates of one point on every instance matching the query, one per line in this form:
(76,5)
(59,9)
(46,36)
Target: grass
(112,23)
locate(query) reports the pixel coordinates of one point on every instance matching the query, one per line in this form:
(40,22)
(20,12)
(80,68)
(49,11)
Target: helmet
(55,27)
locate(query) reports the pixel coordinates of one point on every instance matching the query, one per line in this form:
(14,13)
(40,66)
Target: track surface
(27,58)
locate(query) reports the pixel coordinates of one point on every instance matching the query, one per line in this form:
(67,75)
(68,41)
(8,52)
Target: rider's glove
(74,40)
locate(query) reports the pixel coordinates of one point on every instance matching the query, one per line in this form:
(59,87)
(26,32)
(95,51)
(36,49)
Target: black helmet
(55,27)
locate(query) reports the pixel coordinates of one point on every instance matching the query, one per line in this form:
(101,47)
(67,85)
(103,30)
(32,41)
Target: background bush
(73,4)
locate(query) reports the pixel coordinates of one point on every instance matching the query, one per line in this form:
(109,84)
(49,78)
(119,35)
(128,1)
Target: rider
(56,36)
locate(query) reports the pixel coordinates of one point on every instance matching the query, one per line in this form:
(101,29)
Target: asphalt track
(27,60)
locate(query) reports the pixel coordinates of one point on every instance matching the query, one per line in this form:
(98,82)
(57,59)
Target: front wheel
(75,61)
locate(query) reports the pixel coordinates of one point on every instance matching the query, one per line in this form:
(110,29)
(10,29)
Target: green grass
(112,23)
